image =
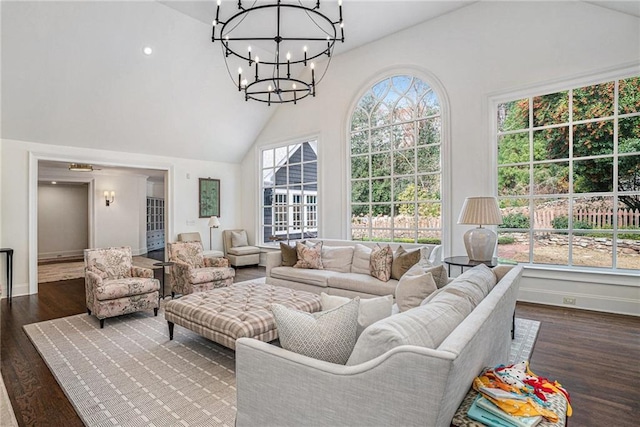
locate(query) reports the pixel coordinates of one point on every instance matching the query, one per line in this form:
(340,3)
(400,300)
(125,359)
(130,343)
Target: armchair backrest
(188,252)
(109,263)
(227,238)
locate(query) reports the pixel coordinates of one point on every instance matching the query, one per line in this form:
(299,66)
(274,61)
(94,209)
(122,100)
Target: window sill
(573,274)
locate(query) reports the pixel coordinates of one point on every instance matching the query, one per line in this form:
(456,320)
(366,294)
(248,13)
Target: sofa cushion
(309,257)
(425,326)
(362,283)
(370,310)
(239,238)
(326,335)
(209,274)
(412,289)
(310,277)
(337,258)
(361,258)
(289,255)
(403,261)
(440,276)
(380,262)
(244,250)
(474,284)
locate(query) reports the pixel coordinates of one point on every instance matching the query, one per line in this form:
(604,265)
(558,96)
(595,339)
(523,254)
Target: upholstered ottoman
(241,310)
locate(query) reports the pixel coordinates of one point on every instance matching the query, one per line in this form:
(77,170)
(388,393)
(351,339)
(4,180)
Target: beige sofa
(427,360)
(342,274)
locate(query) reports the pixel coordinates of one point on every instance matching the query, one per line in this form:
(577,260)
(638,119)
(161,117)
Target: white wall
(63,220)
(474,52)
(18,198)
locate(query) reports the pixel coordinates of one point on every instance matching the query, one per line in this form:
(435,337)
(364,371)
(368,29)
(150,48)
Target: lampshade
(214,222)
(480,211)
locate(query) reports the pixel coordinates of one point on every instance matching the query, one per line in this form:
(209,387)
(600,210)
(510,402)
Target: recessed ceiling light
(53,182)
(147,50)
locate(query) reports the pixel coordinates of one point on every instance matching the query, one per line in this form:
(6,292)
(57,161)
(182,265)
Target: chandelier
(272,43)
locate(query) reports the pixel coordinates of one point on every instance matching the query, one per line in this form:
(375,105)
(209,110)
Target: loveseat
(428,358)
(344,272)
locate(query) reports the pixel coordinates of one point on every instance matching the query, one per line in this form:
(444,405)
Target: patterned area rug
(130,374)
(74,270)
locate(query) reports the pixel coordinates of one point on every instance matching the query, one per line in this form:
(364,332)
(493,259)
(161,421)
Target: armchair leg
(173,295)
(155,311)
(101,323)
(88,311)
(170,330)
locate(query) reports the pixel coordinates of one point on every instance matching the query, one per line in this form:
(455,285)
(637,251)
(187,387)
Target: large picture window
(289,192)
(395,163)
(569,176)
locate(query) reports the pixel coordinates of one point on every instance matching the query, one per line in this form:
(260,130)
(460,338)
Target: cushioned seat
(361,283)
(244,250)
(302,275)
(120,288)
(193,272)
(241,310)
(238,250)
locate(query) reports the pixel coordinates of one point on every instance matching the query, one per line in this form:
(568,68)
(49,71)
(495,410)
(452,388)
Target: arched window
(395,152)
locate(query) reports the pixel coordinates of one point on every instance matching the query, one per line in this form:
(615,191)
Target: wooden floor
(594,355)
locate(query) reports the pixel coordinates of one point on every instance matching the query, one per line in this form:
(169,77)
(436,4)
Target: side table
(463,261)
(164,265)
(9,253)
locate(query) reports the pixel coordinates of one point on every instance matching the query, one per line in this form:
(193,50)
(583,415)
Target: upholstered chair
(193,272)
(114,286)
(238,250)
(195,237)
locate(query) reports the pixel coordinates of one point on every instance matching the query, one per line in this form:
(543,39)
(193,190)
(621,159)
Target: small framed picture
(209,197)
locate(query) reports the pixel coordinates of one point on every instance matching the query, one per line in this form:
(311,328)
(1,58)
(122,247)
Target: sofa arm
(216,262)
(435,257)
(273,259)
(276,387)
(141,272)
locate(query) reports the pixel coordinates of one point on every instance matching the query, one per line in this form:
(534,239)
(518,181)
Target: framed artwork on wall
(209,197)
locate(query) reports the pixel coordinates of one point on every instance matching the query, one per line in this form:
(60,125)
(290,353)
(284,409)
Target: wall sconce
(109,197)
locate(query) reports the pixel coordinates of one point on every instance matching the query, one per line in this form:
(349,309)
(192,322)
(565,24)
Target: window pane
(380,164)
(429,215)
(628,256)
(381,190)
(404,209)
(513,246)
(593,176)
(513,148)
(404,189)
(403,135)
(429,131)
(309,173)
(360,191)
(381,139)
(360,142)
(629,135)
(403,110)
(629,174)
(429,105)
(404,162)
(381,115)
(549,144)
(381,235)
(433,237)
(513,180)
(404,222)
(428,187)
(550,214)
(551,178)
(295,174)
(551,109)
(629,97)
(360,215)
(628,213)
(360,167)
(595,101)
(548,248)
(269,177)
(592,139)
(359,119)
(593,213)
(429,158)
(267,158)
(358,233)
(592,250)
(381,215)
(513,115)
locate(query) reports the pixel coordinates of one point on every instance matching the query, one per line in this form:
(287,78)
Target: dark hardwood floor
(594,355)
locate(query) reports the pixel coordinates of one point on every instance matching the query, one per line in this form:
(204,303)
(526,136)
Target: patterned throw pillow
(289,255)
(380,262)
(326,335)
(309,256)
(403,261)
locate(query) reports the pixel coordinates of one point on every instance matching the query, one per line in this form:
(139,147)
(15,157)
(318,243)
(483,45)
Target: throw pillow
(289,255)
(326,335)
(370,310)
(337,258)
(439,273)
(413,288)
(403,261)
(380,262)
(238,239)
(309,256)
(361,259)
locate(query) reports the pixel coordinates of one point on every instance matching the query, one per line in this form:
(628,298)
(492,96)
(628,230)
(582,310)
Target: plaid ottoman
(241,310)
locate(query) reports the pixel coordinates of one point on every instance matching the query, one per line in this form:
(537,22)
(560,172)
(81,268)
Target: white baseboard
(60,254)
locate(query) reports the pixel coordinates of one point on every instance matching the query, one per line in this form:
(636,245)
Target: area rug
(56,272)
(130,374)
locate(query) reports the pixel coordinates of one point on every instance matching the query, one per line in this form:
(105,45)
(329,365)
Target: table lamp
(480,242)
(214,222)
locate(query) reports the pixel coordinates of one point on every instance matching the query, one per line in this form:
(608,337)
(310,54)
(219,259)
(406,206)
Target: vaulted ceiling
(73,73)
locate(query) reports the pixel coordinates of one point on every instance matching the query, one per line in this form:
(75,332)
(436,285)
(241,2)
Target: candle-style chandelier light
(271,44)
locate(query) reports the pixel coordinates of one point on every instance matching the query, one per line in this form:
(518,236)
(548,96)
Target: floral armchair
(113,286)
(193,272)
